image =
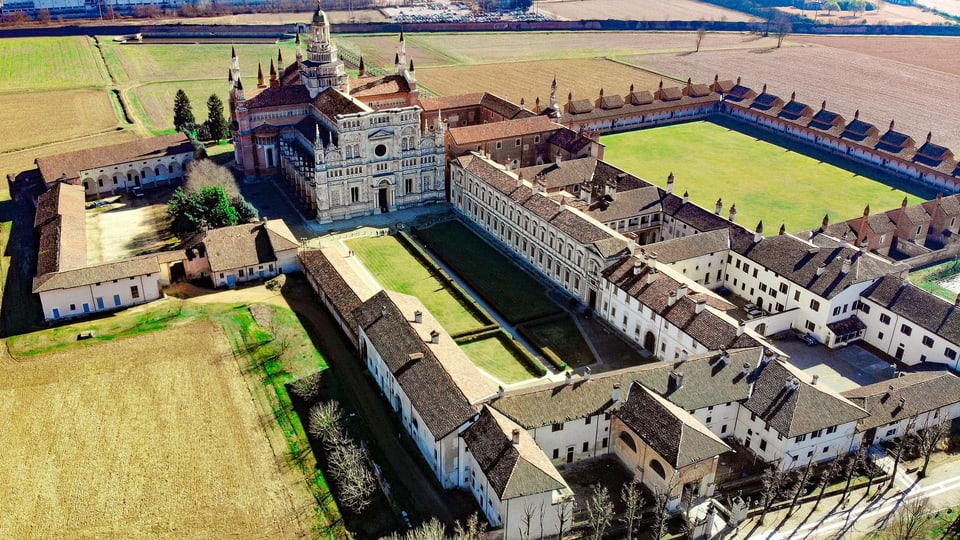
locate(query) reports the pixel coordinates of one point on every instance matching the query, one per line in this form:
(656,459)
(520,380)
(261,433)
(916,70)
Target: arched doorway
(383,199)
(650,342)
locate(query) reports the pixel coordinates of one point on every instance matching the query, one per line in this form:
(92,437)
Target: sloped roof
(431,390)
(920,392)
(694,215)
(332,102)
(917,305)
(279,96)
(334,287)
(88,275)
(250,244)
(69,164)
(506,129)
(379,86)
(669,430)
(792,412)
(513,470)
(689,247)
(61,199)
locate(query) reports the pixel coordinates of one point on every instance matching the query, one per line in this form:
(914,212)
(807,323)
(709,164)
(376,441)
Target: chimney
(682,291)
(821,268)
(741,327)
(863,246)
(889,391)
(724,357)
(815,379)
(568,377)
(651,275)
(637,267)
(418,316)
(733,212)
(929,135)
(520,179)
(434,337)
(758,234)
(902,402)
(670,183)
(672,298)
(846,266)
(793,96)
(701,303)
(719,207)
(586,373)
(684,355)
(767,357)
(559,158)
(383,311)
(783,229)
(956,301)
(676,380)
(616,392)
(686,197)
(500,391)
(746,369)
(652,261)
(515,437)
(823,105)
(856,114)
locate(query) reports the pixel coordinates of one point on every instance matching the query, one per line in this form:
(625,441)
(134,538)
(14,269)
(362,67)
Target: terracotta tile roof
(466,135)
(798,261)
(670,93)
(949,205)
(431,390)
(825,120)
(70,164)
(60,199)
(917,305)
(513,470)
(566,173)
(569,140)
(610,102)
(643,97)
(626,204)
(696,90)
(794,110)
(689,247)
(279,96)
(450,102)
(503,107)
(697,217)
(250,244)
(905,397)
(739,93)
(88,275)
(784,397)
(332,102)
(341,295)
(669,430)
(378,86)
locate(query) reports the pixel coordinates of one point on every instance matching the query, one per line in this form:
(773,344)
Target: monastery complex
(663,273)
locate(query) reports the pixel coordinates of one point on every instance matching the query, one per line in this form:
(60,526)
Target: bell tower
(323,68)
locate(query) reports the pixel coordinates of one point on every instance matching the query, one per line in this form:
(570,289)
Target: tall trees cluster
(215,128)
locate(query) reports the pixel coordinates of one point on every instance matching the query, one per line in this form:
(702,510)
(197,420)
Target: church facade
(347,147)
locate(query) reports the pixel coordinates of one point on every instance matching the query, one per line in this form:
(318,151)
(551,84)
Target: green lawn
(397,270)
(511,291)
(928,278)
(767,182)
(48,63)
(153,102)
(562,337)
(496,358)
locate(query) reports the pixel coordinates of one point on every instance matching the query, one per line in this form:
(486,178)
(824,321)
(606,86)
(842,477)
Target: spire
(279,58)
(274,81)
(260,83)
(929,135)
(239,89)
(783,229)
(823,105)
(396,59)
(826,221)
(631,88)
(233,51)
(230,75)
(299,49)
(401,36)
(866,210)
(904,203)
(856,114)
(411,64)
(363,68)
(553,93)
(892,124)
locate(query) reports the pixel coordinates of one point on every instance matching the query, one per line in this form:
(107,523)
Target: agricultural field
(767,182)
(397,270)
(640,10)
(153,102)
(21,160)
(516,295)
(940,53)
(178,446)
(918,99)
(50,63)
(888,14)
(79,112)
(951,7)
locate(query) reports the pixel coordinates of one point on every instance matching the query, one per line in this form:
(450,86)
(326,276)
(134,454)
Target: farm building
(118,168)
(247,252)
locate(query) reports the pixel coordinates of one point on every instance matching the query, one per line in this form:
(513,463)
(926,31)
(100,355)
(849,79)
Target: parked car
(754,313)
(808,339)
(137,191)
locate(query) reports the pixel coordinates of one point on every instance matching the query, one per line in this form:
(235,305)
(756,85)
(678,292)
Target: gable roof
(513,470)
(69,164)
(917,305)
(431,390)
(905,397)
(334,287)
(506,129)
(61,199)
(689,247)
(250,244)
(88,275)
(669,430)
(784,397)
(278,96)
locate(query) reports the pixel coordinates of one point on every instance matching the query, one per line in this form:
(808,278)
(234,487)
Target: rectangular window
(836,311)
(796,296)
(135,292)
(763,444)
(409,185)
(603,444)
(905,329)
(863,307)
(723,429)
(783,288)
(586,447)
(884,318)
(354,194)
(556,453)
(587,420)
(831,429)
(928,341)
(814,304)
(801,438)
(950,353)
(557,427)
(810,326)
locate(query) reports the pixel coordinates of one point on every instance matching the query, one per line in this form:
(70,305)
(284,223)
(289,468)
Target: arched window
(656,467)
(628,441)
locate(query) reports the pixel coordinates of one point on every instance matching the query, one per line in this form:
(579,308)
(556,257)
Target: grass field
(21,160)
(495,357)
(49,63)
(931,278)
(767,182)
(397,270)
(153,102)
(562,337)
(510,290)
(177,446)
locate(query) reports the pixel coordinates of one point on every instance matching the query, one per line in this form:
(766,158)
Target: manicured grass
(766,182)
(562,337)
(180,62)
(495,357)
(49,63)
(928,278)
(510,290)
(397,270)
(153,103)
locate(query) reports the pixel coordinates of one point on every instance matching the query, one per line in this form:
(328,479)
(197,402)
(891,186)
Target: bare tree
(928,441)
(633,499)
(803,480)
(660,514)
(905,523)
(772,483)
(431,530)
(783,28)
(701,33)
(600,511)
(203,173)
(901,446)
(526,521)
(826,476)
(850,469)
(356,483)
(563,518)
(471,530)
(325,423)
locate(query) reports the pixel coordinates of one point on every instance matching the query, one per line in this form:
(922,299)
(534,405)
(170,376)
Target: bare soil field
(150,436)
(640,10)
(887,14)
(528,80)
(128,227)
(951,7)
(78,112)
(918,99)
(938,53)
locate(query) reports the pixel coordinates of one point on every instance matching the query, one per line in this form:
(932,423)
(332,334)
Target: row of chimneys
(417,318)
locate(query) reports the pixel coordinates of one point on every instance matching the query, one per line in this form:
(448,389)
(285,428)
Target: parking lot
(840,369)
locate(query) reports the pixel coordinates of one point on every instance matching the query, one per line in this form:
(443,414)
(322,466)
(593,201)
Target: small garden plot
(398,270)
(560,337)
(505,286)
(499,357)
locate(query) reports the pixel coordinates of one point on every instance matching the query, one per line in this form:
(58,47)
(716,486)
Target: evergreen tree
(182,112)
(210,207)
(216,123)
